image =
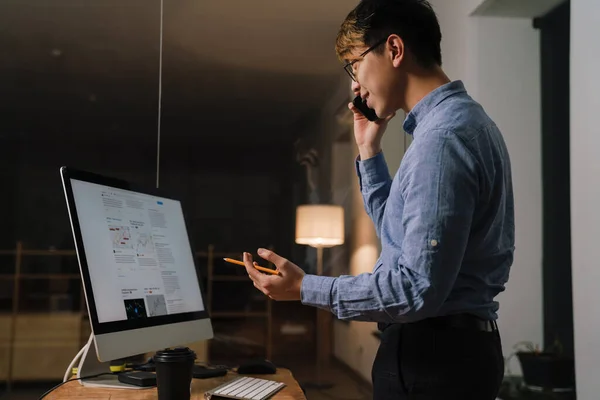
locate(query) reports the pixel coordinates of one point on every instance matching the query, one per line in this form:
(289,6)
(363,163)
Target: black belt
(457,321)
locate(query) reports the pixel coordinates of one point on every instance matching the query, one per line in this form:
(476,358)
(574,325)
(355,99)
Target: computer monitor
(140,280)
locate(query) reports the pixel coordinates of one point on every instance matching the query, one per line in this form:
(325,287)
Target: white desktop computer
(140,280)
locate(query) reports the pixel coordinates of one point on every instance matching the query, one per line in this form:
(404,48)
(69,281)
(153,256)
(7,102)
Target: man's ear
(396,50)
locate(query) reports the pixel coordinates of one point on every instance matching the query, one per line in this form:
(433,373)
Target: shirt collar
(429,102)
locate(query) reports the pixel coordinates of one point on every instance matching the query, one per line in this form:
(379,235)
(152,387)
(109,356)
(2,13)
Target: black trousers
(428,361)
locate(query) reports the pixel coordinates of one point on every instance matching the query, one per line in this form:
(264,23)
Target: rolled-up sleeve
(439,189)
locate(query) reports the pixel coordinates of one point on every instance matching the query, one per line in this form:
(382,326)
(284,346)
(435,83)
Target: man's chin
(382,114)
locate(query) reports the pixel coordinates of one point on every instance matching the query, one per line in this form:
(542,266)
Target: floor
(345,385)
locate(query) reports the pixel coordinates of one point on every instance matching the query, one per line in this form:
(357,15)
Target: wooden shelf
(42,314)
(48,252)
(211,263)
(50,276)
(39,252)
(50,338)
(19,325)
(40,276)
(240,314)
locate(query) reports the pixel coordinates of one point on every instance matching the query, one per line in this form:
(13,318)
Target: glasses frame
(348,67)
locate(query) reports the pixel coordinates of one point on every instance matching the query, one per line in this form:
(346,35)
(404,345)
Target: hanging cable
(160,60)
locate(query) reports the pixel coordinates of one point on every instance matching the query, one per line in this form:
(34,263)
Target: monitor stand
(90,365)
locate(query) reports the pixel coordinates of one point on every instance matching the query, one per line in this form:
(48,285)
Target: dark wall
(558,302)
(235,197)
(80,88)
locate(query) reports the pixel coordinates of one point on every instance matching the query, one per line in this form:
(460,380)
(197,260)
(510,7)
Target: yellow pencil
(258,267)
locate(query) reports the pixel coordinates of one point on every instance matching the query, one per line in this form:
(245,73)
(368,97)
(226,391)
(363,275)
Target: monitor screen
(138,254)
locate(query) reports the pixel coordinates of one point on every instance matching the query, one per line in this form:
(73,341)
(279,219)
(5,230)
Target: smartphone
(369,113)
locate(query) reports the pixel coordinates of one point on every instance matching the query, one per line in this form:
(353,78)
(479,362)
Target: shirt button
(434,243)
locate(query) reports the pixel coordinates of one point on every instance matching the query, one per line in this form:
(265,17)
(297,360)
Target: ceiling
(250,70)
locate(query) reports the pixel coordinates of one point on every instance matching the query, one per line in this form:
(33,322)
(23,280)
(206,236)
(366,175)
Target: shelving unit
(33,343)
(241,277)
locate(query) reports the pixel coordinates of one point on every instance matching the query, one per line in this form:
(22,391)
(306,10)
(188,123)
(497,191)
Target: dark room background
(80,85)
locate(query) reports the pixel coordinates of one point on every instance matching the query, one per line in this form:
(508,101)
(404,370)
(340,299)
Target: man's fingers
(253,273)
(272,257)
(262,289)
(356,112)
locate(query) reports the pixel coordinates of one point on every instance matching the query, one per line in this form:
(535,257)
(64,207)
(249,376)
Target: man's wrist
(369,151)
(298,290)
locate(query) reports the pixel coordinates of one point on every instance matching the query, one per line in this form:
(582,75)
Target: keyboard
(246,388)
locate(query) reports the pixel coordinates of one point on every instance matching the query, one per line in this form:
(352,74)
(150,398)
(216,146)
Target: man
(446,220)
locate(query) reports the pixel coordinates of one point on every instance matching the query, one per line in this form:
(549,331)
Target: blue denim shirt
(446,221)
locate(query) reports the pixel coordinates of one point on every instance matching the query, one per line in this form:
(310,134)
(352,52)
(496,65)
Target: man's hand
(368,134)
(285,286)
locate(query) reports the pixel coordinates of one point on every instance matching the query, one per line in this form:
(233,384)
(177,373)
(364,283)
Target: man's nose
(355,88)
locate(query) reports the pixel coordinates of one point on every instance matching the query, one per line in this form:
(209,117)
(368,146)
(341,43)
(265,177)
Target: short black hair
(414,21)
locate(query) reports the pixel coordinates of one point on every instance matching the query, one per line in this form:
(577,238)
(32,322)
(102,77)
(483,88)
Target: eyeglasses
(349,66)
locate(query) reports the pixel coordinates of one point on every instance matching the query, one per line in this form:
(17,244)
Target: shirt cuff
(372,170)
(316,291)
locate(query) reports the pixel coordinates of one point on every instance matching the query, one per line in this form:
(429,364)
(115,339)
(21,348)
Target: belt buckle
(490,325)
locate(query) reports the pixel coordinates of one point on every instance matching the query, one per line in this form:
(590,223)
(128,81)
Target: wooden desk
(74,390)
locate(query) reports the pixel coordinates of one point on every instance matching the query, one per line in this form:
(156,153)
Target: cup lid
(177,354)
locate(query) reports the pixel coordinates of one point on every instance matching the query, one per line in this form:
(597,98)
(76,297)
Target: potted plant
(547,370)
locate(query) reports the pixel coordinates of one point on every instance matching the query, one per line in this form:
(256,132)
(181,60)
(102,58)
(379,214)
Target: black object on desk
(201,372)
(257,366)
(148,367)
(138,378)
(174,373)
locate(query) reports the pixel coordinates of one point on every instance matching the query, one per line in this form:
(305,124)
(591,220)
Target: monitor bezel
(99,328)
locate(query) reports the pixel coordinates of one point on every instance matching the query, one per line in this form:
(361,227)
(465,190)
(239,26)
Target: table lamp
(320,226)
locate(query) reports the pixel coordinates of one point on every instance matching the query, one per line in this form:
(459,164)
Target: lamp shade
(320,225)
